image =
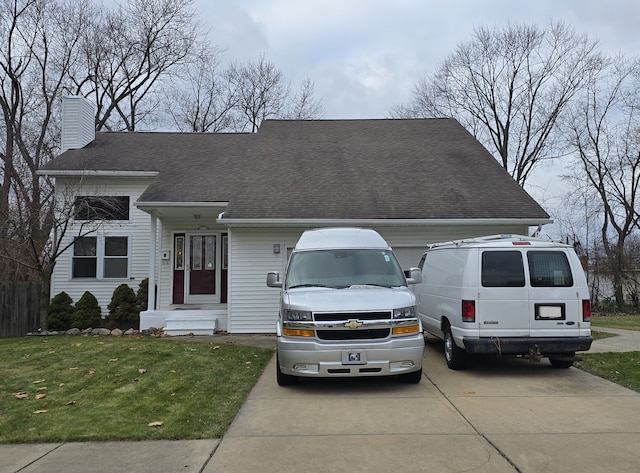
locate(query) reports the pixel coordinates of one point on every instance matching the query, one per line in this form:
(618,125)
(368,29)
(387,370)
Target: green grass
(99,388)
(621,368)
(627,322)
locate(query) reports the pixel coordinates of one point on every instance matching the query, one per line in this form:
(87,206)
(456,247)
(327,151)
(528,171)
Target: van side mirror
(414,276)
(273,279)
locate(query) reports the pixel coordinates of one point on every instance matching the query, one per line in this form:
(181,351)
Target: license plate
(550,312)
(354,358)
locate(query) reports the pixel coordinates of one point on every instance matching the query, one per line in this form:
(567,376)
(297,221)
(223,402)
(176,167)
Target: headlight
(405,313)
(298,315)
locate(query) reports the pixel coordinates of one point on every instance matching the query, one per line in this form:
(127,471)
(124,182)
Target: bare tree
(127,52)
(509,87)
(38,41)
(201,98)
(303,106)
(262,92)
(605,133)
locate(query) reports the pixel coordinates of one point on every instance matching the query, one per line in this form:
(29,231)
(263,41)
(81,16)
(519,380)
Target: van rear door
(555,306)
(503,307)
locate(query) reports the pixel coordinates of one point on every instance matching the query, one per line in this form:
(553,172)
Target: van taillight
(586,310)
(468,311)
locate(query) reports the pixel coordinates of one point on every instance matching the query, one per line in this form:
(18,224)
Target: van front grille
(335,316)
(362,334)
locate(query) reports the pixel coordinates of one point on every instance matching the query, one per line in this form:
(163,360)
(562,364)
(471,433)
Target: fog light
(405,329)
(296,332)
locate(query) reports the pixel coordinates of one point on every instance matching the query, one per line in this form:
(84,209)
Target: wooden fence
(19,308)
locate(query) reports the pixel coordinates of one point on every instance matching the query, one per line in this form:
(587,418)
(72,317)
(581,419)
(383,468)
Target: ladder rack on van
(489,238)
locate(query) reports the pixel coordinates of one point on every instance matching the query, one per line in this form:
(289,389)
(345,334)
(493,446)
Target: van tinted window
(502,269)
(549,269)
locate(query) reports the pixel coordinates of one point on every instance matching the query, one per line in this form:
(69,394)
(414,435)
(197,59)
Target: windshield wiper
(307,285)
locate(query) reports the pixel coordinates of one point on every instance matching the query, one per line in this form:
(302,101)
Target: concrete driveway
(497,416)
(505,415)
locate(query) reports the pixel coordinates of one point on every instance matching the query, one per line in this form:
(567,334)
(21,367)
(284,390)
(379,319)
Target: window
(101,208)
(502,269)
(549,269)
(101,258)
(85,257)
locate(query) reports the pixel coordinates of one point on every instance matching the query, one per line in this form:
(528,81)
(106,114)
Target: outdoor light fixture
(276,247)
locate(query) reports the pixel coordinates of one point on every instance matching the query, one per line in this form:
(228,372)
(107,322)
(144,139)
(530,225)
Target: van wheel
(456,357)
(412,378)
(563,362)
(284,379)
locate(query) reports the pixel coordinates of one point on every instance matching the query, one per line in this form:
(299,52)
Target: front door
(201,278)
(197,268)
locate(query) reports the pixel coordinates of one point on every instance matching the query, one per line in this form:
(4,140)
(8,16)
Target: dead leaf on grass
(40,396)
(70,403)
(41,411)
(142,370)
(21,395)
(92,371)
(40,381)
(113,360)
(155,424)
(72,369)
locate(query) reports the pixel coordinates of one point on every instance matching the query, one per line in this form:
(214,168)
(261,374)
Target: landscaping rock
(101,331)
(116,332)
(74,331)
(87,331)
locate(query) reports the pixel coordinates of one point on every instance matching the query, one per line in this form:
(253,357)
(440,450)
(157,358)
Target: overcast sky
(364,56)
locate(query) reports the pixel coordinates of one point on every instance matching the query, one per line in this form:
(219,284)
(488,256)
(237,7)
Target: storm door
(196,268)
(201,277)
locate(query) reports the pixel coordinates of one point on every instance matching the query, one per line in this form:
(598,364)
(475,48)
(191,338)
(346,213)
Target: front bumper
(317,358)
(525,345)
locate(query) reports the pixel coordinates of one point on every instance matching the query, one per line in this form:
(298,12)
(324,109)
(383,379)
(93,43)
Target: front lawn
(66,388)
(621,368)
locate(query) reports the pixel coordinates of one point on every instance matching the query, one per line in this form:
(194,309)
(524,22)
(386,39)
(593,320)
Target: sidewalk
(625,340)
(499,416)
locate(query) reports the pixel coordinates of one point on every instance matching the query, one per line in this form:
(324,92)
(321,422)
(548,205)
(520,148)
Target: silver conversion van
(506,295)
(346,309)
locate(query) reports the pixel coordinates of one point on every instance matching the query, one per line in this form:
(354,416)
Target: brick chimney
(78,122)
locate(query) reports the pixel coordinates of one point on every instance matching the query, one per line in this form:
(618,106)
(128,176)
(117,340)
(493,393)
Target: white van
(346,309)
(506,295)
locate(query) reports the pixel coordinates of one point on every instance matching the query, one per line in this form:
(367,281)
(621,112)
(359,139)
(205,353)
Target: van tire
(455,356)
(412,378)
(284,379)
(560,363)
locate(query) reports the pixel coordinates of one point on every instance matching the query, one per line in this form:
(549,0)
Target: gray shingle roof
(351,169)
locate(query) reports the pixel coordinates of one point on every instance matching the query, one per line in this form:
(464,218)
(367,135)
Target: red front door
(197,265)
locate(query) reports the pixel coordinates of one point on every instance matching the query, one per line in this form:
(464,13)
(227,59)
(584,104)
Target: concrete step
(188,322)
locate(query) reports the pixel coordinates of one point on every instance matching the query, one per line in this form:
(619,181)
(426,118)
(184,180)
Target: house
(206,216)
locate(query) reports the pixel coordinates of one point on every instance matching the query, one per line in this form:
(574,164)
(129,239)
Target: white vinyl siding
(136,230)
(253,307)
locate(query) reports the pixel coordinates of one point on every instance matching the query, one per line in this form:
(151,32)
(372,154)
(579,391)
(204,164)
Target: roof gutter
(142,205)
(85,173)
(381,222)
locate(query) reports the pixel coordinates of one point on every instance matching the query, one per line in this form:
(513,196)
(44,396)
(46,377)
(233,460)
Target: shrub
(142,295)
(87,312)
(123,309)
(60,312)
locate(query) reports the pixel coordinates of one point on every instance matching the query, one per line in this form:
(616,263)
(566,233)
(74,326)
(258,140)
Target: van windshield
(344,268)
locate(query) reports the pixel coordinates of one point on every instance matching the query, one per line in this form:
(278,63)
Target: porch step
(191,323)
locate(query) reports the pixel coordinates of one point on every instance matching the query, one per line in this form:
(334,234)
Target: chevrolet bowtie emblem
(353,324)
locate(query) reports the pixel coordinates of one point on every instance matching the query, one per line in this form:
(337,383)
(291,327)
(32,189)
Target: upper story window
(98,207)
